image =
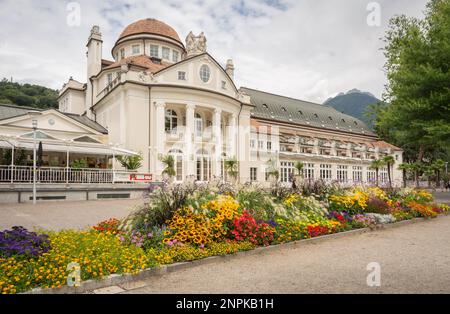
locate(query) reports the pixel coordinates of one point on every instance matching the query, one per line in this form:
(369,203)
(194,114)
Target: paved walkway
(414,258)
(63,215)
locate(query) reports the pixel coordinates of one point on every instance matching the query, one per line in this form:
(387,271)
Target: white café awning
(72,148)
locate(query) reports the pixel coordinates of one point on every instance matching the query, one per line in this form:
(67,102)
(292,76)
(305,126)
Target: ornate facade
(159,96)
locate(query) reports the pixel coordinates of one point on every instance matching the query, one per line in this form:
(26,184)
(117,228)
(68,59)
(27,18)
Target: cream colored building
(159,96)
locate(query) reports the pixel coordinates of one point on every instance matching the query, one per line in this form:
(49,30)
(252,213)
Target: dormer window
(316,115)
(265,106)
(205,73)
(122,53)
(154,51)
(165,53)
(136,49)
(300,112)
(175,56)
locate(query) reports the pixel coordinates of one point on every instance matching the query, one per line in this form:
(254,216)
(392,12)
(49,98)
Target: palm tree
(404,167)
(169,163)
(130,162)
(416,167)
(272,170)
(299,166)
(231,167)
(438,166)
(389,161)
(376,165)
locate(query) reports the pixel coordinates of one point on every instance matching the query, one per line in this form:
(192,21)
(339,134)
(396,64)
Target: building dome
(150,26)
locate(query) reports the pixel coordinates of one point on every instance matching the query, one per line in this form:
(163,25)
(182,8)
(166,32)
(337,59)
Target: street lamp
(34,123)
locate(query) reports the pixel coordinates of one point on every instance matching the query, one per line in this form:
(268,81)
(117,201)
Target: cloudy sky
(308,49)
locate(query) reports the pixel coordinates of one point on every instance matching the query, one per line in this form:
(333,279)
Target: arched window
(198,125)
(178,157)
(171,121)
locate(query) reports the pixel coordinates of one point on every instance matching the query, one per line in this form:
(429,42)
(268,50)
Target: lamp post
(34,123)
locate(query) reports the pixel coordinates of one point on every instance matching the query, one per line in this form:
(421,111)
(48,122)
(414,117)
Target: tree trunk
(389,175)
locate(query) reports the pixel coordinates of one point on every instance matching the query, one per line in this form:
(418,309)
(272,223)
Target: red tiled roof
(142,61)
(383,144)
(151,26)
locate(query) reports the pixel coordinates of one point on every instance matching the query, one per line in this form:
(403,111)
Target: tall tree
(389,162)
(376,165)
(416,112)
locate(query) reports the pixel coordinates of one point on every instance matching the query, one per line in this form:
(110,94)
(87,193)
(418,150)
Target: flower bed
(188,222)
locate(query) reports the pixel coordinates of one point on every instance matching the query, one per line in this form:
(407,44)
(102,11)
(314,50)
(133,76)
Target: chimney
(230,68)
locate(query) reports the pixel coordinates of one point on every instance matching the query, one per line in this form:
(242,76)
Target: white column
(189,140)
(217,140)
(232,136)
(160,134)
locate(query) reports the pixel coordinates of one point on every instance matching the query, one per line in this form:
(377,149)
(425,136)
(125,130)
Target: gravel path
(63,215)
(414,258)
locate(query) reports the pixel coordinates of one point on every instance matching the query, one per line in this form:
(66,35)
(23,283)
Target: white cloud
(305,49)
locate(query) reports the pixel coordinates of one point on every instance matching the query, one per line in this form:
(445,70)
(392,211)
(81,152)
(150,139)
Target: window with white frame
(252,143)
(205,73)
(109,80)
(260,144)
(286,171)
(269,146)
(342,173)
(154,51)
(371,176)
(308,171)
(122,53)
(166,53)
(175,56)
(383,175)
(136,49)
(357,174)
(253,174)
(198,122)
(325,172)
(178,158)
(171,121)
(182,75)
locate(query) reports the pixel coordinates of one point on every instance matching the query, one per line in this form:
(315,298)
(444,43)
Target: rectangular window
(224,85)
(109,78)
(252,143)
(260,144)
(371,176)
(179,168)
(325,172)
(308,171)
(182,75)
(342,173)
(357,174)
(165,53)
(174,56)
(287,170)
(122,53)
(136,49)
(154,51)
(269,145)
(253,174)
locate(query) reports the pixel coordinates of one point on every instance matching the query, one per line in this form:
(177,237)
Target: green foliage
(27,95)
(133,162)
(169,163)
(79,164)
(418,94)
(299,167)
(232,167)
(257,202)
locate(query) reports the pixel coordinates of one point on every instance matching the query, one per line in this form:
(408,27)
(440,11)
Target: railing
(24,174)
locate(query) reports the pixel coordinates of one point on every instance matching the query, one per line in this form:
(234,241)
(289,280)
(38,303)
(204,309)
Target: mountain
(27,95)
(353,103)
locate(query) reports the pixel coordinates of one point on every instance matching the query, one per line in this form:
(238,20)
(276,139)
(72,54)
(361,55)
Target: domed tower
(152,38)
